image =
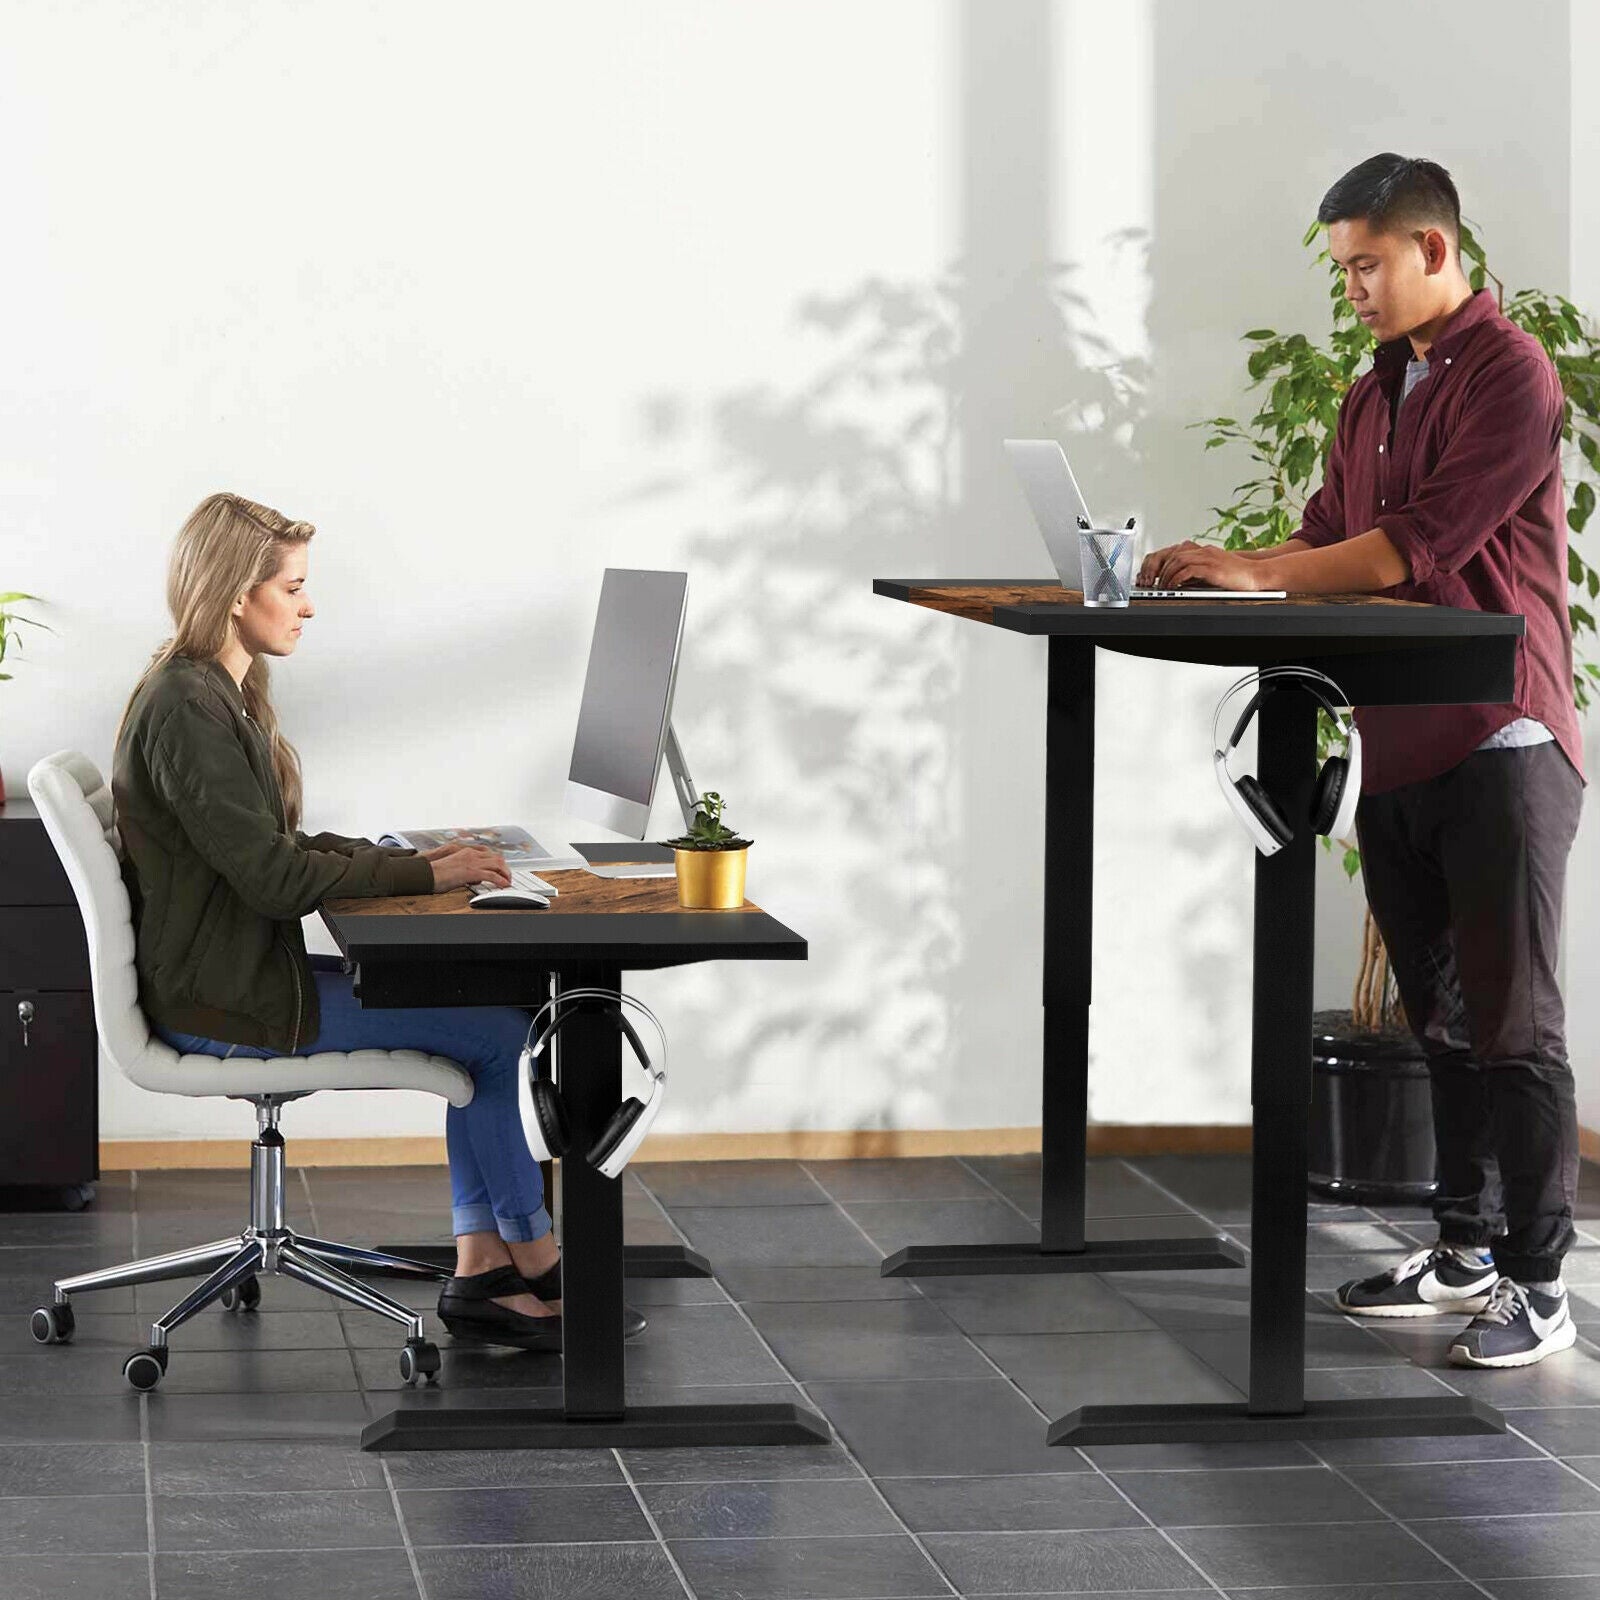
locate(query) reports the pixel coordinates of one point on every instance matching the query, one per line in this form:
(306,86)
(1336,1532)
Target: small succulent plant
(707,831)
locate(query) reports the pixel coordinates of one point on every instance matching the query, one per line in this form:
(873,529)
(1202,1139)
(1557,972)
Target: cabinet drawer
(49,1090)
(43,947)
(31,873)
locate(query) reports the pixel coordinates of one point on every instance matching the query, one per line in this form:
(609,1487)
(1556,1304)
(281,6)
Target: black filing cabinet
(49,1050)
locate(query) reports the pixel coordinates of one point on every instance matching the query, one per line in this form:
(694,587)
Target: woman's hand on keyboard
(466,865)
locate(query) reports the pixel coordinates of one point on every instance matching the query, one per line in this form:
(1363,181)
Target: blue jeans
(495,1184)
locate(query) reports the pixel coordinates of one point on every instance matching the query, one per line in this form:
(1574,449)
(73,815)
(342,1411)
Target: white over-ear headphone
(1338,785)
(545,1124)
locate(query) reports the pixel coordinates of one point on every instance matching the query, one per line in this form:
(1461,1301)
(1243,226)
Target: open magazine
(517,845)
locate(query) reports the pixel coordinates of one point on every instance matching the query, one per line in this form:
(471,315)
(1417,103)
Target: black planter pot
(1371,1116)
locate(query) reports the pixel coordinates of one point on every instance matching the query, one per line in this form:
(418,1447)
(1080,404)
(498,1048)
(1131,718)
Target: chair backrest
(75,805)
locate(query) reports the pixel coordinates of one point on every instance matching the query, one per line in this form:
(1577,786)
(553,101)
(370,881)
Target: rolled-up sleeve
(1501,448)
(1322,521)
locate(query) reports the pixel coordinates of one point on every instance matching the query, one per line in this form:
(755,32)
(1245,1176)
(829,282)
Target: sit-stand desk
(435,950)
(1381,652)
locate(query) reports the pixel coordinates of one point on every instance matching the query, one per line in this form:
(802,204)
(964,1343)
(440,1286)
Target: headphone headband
(575,1000)
(1307,677)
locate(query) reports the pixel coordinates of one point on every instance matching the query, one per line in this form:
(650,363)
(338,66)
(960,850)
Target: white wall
(1582,944)
(754,291)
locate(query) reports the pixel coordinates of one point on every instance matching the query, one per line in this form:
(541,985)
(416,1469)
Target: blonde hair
(227,546)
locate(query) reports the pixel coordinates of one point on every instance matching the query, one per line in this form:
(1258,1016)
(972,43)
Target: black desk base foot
(639,1427)
(638,1260)
(664,1261)
(1235,1424)
(1099,1255)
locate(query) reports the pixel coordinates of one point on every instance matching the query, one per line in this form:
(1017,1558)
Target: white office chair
(74,802)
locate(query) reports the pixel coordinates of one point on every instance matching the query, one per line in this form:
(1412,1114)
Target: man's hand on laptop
(1153,569)
(1201,566)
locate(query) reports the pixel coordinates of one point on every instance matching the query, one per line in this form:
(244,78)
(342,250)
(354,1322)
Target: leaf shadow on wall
(835,719)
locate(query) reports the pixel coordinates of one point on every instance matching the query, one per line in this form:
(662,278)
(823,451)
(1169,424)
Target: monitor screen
(627,697)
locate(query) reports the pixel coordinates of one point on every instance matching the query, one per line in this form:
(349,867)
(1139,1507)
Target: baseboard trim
(1105,1139)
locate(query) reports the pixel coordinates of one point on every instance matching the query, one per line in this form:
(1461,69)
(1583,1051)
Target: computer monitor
(625,719)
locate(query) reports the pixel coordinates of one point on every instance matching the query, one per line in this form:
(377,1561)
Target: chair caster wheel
(52,1324)
(145,1368)
(75,1196)
(244,1296)
(419,1359)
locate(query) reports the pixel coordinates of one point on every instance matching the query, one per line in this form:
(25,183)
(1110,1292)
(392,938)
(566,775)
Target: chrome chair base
(266,1248)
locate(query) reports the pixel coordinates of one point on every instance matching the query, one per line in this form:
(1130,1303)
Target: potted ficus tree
(710,859)
(10,620)
(1371,1123)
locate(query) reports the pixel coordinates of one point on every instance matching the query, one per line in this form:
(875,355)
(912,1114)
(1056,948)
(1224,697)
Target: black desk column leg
(1280,1093)
(1068,934)
(589,1068)
(1280,1065)
(1068,939)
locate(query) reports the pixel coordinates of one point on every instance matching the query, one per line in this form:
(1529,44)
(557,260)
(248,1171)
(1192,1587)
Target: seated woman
(207,795)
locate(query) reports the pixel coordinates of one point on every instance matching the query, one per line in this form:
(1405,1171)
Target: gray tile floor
(241,1473)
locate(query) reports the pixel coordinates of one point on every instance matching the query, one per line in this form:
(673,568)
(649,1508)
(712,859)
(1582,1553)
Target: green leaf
(1259,333)
(1352,862)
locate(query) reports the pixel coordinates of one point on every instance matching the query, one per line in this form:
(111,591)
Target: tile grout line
(1406,1528)
(1108,1280)
(149,1492)
(655,1527)
(383,1465)
(1027,1398)
(782,1366)
(405,1532)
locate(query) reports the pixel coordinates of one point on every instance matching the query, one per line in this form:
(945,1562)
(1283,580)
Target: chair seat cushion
(160,1067)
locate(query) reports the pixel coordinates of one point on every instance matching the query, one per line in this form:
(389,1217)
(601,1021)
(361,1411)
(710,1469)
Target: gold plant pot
(711,880)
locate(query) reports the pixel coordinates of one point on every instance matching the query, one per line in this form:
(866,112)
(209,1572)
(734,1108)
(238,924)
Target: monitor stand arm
(687,794)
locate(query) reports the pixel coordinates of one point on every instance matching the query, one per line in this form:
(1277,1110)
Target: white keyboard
(523,881)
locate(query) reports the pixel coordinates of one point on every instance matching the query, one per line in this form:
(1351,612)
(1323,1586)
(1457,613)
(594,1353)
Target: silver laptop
(1057,502)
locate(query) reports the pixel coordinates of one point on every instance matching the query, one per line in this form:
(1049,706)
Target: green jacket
(218,882)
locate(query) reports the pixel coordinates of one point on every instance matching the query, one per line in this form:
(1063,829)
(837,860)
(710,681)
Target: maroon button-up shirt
(1468,489)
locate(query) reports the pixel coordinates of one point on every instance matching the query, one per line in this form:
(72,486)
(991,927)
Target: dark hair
(1395,192)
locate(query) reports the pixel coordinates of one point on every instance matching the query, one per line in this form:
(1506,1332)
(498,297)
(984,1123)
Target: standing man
(1444,485)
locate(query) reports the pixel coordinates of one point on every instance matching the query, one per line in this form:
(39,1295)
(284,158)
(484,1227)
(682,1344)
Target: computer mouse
(508,900)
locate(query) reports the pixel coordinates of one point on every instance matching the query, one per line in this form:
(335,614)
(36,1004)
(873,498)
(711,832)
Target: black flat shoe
(467,1309)
(547,1286)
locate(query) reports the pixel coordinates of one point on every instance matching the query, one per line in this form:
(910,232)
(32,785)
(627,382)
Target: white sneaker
(1518,1327)
(1431,1283)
